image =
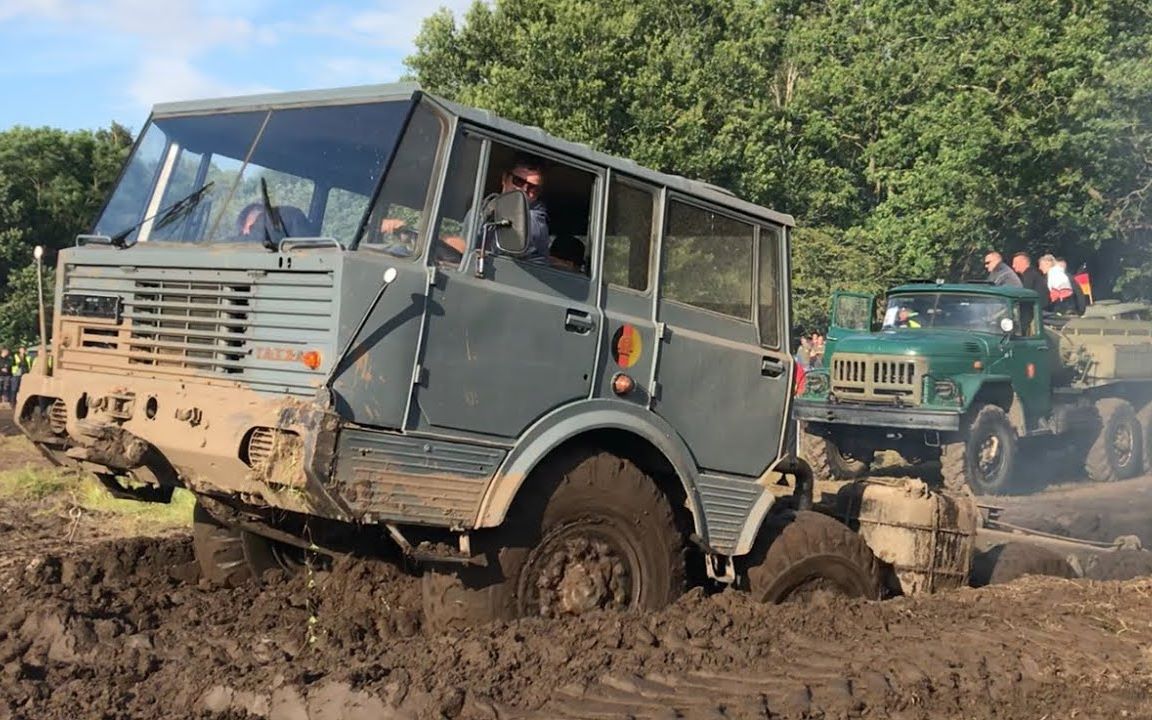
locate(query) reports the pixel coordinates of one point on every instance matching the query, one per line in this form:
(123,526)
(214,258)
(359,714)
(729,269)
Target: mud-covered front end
(169,371)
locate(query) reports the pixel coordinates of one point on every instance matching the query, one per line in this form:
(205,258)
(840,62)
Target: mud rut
(92,627)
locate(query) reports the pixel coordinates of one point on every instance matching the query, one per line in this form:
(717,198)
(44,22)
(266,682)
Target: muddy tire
(983,457)
(1115,454)
(227,556)
(827,462)
(1144,417)
(593,532)
(812,552)
(1120,565)
(1012,560)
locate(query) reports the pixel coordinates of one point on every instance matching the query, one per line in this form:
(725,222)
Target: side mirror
(507,215)
(1007,325)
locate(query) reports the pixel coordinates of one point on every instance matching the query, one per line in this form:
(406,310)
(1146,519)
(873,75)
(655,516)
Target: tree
(908,138)
(52,183)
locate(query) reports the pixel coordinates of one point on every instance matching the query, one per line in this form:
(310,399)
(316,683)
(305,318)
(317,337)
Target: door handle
(578,321)
(771,367)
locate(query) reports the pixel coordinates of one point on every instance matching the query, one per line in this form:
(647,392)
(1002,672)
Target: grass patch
(64,489)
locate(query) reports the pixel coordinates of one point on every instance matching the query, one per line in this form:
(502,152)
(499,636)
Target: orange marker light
(978,365)
(311,359)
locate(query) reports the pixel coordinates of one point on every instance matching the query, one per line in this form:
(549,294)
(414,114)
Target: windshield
(213,178)
(980,313)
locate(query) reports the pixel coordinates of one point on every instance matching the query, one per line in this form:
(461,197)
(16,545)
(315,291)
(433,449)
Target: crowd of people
(13,367)
(810,354)
(1050,280)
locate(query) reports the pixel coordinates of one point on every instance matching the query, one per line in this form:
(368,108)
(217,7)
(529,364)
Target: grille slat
(869,378)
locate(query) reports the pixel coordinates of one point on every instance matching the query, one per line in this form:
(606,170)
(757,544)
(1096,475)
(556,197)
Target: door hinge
(419,376)
(661,330)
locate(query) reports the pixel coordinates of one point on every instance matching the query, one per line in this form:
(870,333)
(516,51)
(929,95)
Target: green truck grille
(871,378)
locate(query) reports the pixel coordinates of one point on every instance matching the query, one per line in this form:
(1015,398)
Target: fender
(567,422)
(971,384)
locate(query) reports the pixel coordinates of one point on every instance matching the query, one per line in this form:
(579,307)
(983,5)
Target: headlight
(945,390)
(816,384)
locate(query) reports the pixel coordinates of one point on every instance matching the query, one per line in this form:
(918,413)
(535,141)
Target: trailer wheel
(812,552)
(228,556)
(982,458)
(1115,454)
(1012,560)
(1119,565)
(594,533)
(828,462)
(1144,417)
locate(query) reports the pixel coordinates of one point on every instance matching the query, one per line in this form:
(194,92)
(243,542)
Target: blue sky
(84,63)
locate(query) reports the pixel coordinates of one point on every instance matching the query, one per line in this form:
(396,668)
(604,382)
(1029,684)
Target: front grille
(215,325)
(871,378)
(181,324)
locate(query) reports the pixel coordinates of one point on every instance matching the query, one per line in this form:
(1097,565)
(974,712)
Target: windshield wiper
(273,214)
(166,215)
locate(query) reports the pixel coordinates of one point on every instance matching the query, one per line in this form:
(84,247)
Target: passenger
(1030,277)
(567,253)
(250,223)
(998,271)
(1060,295)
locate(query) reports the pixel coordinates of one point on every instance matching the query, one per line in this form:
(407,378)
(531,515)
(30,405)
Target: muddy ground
(97,626)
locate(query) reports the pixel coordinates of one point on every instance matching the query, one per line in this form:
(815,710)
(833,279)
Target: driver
(907,318)
(527,176)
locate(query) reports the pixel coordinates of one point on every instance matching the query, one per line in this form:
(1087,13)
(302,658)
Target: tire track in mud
(123,630)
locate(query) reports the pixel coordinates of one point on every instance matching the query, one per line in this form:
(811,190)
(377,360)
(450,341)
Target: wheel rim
(1123,442)
(579,568)
(989,459)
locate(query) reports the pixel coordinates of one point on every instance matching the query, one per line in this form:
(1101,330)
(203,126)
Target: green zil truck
(971,375)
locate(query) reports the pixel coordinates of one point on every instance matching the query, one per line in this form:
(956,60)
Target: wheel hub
(579,574)
(989,456)
(1122,443)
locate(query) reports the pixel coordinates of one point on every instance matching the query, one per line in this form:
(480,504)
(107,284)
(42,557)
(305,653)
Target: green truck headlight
(945,390)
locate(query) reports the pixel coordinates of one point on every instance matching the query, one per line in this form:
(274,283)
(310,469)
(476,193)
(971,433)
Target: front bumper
(875,416)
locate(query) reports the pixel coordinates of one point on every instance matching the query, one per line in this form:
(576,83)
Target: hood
(932,343)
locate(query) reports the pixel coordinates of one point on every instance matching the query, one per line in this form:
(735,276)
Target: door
(1031,363)
(629,342)
(504,348)
(720,386)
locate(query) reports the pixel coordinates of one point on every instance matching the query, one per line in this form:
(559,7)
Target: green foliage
(907,139)
(52,183)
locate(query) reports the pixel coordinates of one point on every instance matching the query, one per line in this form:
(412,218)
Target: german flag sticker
(626,346)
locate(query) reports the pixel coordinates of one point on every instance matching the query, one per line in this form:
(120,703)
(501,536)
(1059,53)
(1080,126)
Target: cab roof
(969,288)
(533,135)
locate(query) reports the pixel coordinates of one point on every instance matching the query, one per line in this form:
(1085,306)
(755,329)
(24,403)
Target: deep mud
(92,627)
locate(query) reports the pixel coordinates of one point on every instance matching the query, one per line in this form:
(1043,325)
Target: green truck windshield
(980,313)
(317,167)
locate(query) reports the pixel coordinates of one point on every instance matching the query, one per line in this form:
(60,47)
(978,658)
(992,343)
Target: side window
(708,261)
(1024,319)
(628,236)
(769,287)
(560,200)
(398,220)
(457,203)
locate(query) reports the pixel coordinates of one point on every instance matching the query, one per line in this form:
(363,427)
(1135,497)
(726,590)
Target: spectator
(6,376)
(816,350)
(998,271)
(21,364)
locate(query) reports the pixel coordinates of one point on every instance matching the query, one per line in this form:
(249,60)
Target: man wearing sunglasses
(526,176)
